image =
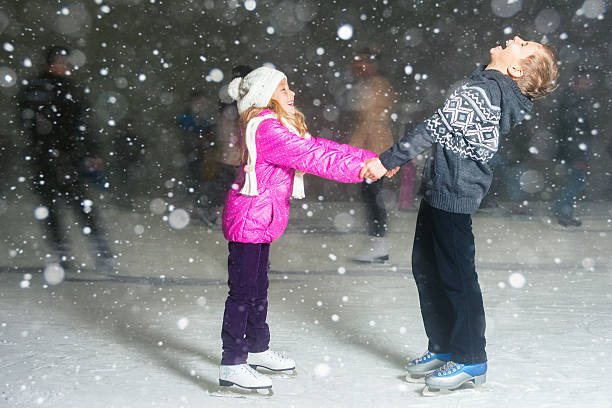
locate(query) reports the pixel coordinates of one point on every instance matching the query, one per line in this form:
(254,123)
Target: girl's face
(284,96)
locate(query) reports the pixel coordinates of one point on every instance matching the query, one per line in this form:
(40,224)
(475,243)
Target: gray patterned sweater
(465,134)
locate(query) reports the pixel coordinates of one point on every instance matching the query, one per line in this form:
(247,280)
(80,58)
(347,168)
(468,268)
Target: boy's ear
(515,71)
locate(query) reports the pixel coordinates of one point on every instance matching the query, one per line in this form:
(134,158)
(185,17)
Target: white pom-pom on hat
(233,89)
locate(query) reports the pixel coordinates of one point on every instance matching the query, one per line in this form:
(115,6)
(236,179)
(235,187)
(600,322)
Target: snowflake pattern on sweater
(468,124)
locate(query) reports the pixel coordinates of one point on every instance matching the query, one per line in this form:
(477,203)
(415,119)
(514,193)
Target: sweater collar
(514,105)
(509,84)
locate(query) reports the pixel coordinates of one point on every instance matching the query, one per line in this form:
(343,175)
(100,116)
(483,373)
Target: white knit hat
(256,88)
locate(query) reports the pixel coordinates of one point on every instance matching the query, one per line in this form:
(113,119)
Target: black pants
(68,188)
(376,214)
(449,293)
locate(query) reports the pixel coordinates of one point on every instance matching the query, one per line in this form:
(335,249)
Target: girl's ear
(515,71)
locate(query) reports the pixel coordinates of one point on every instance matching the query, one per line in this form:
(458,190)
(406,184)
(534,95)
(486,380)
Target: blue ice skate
(452,375)
(427,363)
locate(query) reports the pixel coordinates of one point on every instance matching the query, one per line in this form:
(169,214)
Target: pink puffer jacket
(263,218)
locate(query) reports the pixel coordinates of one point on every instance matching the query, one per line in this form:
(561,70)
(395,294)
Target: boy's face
(509,59)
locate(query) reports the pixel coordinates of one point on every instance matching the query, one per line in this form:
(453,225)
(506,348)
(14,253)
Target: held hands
(374,170)
(391,173)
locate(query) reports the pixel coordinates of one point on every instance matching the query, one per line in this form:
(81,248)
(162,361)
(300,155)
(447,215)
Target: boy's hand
(373,169)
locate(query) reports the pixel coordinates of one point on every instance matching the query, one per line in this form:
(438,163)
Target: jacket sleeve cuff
(389,160)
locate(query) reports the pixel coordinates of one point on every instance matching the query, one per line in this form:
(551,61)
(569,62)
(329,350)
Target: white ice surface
(95,341)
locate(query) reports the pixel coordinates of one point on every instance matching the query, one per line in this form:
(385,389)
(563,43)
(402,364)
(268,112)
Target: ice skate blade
(378,260)
(224,383)
(288,373)
(467,387)
(415,379)
(236,391)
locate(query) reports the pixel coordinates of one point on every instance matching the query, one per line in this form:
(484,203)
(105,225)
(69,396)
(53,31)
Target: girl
(276,144)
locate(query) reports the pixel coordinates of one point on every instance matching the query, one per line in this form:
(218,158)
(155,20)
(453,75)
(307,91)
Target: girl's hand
(373,169)
(391,173)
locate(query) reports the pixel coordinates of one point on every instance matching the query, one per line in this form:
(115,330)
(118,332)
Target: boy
(465,136)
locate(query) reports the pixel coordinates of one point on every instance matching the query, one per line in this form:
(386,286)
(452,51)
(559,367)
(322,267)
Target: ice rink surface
(149,335)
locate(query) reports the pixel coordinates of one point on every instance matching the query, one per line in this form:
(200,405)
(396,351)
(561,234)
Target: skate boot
(103,255)
(243,376)
(568,221)
(105,263)
(270,360)
(60,255)
(374,252)
(427,363)
(453,375)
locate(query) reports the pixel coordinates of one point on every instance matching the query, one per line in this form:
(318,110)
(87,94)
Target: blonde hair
(296,120)
(540,73)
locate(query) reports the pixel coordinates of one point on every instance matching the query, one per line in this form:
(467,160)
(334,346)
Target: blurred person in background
(197,146)
(62,152)
(608,191)
(508,165)
(212,150)
(574,136)
(373,102)
(128,167)
(227,137)
(405,198)
(6,154)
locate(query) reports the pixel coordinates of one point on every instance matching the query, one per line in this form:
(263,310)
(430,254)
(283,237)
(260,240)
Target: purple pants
(244,320)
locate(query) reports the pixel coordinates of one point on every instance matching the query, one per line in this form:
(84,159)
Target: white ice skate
(242,375)
(271,360)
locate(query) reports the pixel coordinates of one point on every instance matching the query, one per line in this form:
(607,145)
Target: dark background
(178,44)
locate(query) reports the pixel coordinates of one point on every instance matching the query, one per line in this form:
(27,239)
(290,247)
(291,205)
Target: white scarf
(250,180)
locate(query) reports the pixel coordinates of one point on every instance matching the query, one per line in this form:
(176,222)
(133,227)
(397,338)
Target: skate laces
(276,355)
(449,368)
(227,371)
(427,356)
(250,370)
(271,354)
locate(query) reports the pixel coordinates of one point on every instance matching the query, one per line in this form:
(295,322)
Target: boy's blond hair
(540,73)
